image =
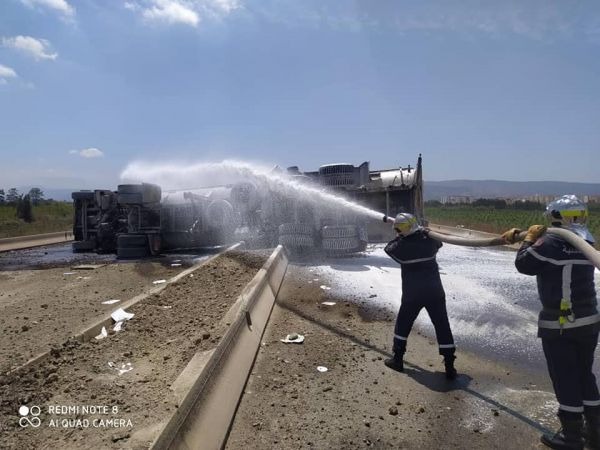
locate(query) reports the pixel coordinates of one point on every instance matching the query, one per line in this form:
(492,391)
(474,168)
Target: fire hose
(580,244)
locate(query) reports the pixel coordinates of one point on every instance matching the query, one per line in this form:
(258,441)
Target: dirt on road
(128,374)
(42,308)
(359,403)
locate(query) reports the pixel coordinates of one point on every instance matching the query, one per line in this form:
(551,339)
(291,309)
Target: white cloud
(37,48)
(6,73)
(184,12)
(88,153)
(171,12)
(61,6)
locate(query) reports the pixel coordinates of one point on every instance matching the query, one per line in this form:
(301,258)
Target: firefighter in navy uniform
(422,287)
(569,321)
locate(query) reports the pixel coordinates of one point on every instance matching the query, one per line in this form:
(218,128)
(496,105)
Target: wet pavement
(61,255)
(492,308)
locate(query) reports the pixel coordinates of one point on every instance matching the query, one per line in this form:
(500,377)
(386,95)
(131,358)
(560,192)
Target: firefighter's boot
(569,437)
(449,366)
(591,430)
(395,362)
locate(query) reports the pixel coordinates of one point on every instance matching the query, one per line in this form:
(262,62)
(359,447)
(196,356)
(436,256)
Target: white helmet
(406,224)
(571,213)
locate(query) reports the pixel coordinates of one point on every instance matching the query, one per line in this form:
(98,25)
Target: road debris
(102,335)
(293,338)
(159,281)
(120,315)
(110,302)
(125,367)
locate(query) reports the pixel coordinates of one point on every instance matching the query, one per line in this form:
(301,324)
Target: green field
(497,220)
(55,216)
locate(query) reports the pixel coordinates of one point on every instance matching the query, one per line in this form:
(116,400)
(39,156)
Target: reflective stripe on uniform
(581,322)
(556,261)
(566,283)
(447,346)
(412,261)
(402,338)
(591,403)
(575,409)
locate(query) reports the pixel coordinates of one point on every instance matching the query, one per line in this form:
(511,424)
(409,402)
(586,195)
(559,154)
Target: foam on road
(492,308)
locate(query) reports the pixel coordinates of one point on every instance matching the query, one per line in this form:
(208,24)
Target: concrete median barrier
(211,386)
(34,240)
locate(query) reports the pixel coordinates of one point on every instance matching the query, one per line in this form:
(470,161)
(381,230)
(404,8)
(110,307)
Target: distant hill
(434,190)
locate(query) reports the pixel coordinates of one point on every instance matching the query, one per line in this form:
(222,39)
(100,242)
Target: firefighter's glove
(511,236)
(534,232)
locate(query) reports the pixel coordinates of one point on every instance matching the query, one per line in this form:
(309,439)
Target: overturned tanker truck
(139,220)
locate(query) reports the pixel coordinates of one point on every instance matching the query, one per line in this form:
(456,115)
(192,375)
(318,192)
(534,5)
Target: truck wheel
(130,199)
(83,246)
(297,241)
(132,241)
(296,229)
(339,231)
(132,253)
(219,214)
(139,193)
(342,246)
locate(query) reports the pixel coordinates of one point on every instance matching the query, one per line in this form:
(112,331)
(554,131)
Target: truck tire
(132,241)
(297,245)
(82,195)
(296,229)
(83,246)
(342,246)
(219,214)
(297,241)
(132,253)
(145,192)
(130,199)
(339,231)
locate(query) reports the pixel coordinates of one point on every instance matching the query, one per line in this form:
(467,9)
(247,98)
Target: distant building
(456,199)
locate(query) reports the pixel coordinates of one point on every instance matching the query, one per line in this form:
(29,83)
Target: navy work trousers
(436,308)
(570,364)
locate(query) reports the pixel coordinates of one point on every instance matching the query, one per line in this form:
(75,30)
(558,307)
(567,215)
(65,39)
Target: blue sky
(485,90)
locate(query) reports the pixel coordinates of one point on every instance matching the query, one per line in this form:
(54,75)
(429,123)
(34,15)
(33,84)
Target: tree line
(492,203)
(23,203)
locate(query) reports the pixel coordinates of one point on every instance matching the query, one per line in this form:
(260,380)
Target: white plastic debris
(176,265)
(110,302)
(118,326)
(102,334)
(328,303)
(293,338)
(322,369)
(176,261)
(325,288)
(159,281)
(69,273)
(125,367)
(84,278)
(120,315)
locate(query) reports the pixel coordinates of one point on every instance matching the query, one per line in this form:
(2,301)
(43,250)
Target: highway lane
(492,308)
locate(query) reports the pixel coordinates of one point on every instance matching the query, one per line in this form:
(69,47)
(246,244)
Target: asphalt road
(492,308)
